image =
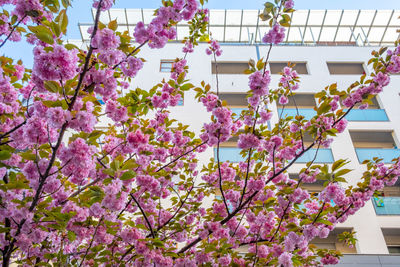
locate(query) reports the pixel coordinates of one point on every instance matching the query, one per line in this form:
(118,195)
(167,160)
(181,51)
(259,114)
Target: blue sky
(80,12)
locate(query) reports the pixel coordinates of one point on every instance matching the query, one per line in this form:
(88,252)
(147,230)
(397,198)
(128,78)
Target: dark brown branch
(184,154)
(91,242)
(12,31)
(144,215)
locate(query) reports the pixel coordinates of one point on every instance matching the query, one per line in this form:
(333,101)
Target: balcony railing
(354,115)
(387,205)
(232,154)
(387,154)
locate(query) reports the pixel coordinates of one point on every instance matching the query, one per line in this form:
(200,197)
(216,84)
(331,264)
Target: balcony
(387,154)
(232,154)
(387,205)
(367,115)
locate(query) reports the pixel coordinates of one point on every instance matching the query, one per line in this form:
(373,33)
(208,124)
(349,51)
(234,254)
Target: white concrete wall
(365,222)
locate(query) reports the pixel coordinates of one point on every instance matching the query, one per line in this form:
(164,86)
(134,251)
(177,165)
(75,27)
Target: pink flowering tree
(135,193)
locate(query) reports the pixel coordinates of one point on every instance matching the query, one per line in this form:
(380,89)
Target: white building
(328,46)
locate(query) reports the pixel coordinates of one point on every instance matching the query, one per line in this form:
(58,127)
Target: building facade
(327,47)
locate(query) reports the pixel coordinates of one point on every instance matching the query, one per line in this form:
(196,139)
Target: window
(345,68)
(234,99)
(277,67)
(394,249)
(166,65)
(332,242)
(229,67)
(392,239)
(303,101)
(372,139)
(371,144)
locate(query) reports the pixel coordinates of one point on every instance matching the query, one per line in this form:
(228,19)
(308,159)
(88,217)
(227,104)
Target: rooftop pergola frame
(308,27)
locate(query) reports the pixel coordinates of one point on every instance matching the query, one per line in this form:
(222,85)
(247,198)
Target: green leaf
(128,175)
(42,33)
(342,172)
(65,3)
(187,86)
(71,236)
(113,25)
(52,86)
(63,21)
(339,163)
(5,154)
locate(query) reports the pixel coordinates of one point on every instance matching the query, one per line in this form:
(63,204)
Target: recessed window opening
(306,101)
(346,68)
(234,99)
(229,67)
(277,67)
(372,139)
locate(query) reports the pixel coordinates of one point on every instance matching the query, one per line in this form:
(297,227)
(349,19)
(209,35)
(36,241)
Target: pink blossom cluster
(116,112)
(288,79)
(167,97)
(78,160)
(105,39)
(380,81)
(178,68)
(159,31)
(289,4)
(259,83)
(188,47)
(58,64)
(131,66)
(214,48)
(105,4)
(104,82)
(247,141)
(275,35)
(222,128)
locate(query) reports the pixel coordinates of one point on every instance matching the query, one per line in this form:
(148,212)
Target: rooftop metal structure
(308,27)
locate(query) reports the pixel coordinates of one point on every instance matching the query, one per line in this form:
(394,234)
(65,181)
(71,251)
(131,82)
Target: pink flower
(247,141)
(382,79)
(136,138)
(289,4)
(105,4)
(59,64)
(131,66)
(258,83)
(285,259)
(329,260)
(275,35)
(57,116)
(105,39)
(341,125)
(283,100)
(225,260)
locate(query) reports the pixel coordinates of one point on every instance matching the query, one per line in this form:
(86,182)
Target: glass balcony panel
(367,115)
(232,154)
(387,154)
(308,113)
(324,156)
(386,205)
